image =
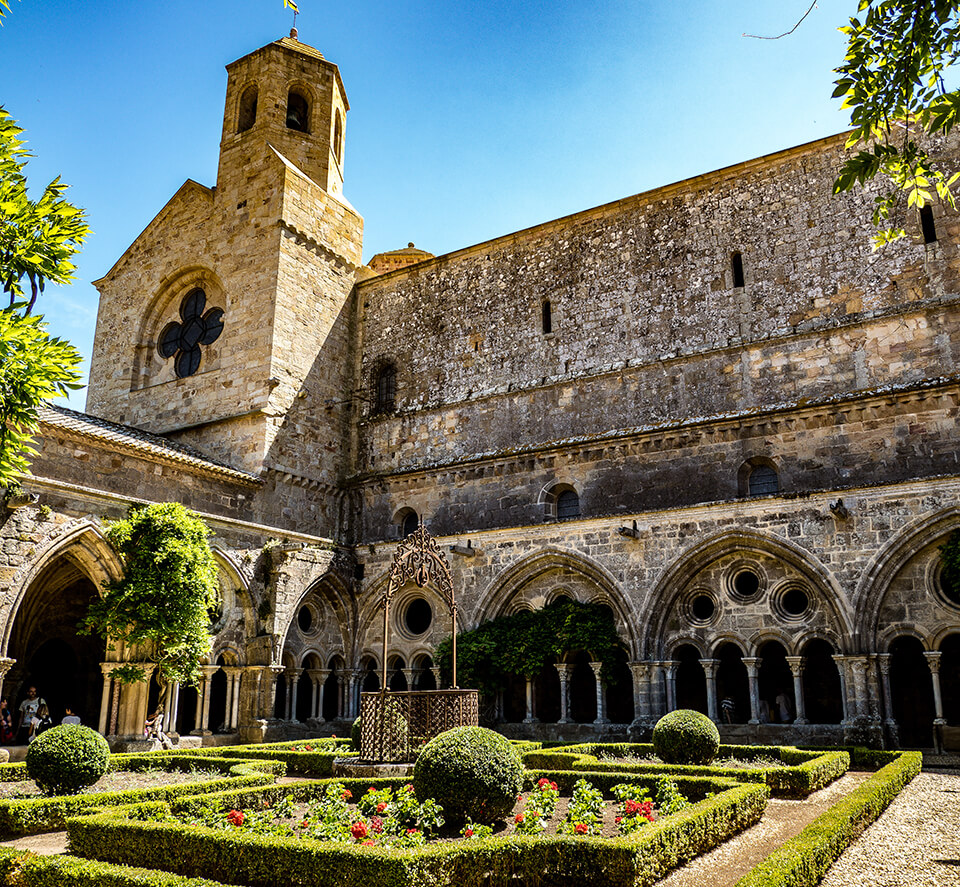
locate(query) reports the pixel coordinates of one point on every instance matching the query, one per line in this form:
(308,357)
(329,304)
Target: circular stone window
(795,602)
(746,584)
(305,619)
(702,608)
(418,616)
(948,592)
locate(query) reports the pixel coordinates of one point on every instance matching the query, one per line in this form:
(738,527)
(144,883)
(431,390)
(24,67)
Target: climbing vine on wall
(168,589)
(526,642)
(950,574)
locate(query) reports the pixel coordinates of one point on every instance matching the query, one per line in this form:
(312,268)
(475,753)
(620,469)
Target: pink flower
(580,828)
(376,823)
(358,830)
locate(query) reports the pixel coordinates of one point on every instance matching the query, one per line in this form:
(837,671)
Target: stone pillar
(202,727)
(563,670)
(408,674)
(132,710)
(6,663)
(883,660)
(435,671)
(293,678)
(753,668)
(341,694)
(318,677)
(933,661)
(796,664)
(174,706)
(353,697)
(656,691)
(233,673)
(842,671)
(670,672)
(107,669)
(858,664)
(529,719)
(641,693)
(710,673)
(168,723)
(601,697)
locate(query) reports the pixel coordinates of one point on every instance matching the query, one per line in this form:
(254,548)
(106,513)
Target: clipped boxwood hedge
(801,773)
(28,816)
(634,860)
(804,859)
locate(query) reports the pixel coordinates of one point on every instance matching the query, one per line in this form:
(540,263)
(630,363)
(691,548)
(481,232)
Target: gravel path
(728,863)
(49,843)
(915,843)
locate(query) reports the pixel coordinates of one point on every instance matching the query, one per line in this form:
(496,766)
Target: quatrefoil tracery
(183,338)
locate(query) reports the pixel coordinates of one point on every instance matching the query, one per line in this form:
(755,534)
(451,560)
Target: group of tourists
(32,718)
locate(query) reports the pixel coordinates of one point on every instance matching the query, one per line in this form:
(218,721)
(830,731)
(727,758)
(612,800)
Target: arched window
(407,522)
(338,137)
(568,504)
(298,111)
(248,109)
(763,481)
(385,389)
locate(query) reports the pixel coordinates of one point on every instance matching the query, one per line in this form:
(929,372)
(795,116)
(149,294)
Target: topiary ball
(472,772)
(355,735)
(686,737)
(65,760)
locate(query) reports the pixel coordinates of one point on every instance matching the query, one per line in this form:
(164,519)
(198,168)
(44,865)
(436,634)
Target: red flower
(468,832)
(309,748)
(618,820)
(543,783)
(580,828)
(305,824)
(413,831)
(381,807)
(409,788)
(518,818)
(347,794)
(553,785)
(371,789)
(358,830)
(235,817)
(376,823)
(369,844)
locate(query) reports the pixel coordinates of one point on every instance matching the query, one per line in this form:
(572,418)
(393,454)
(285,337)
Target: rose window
(183,338)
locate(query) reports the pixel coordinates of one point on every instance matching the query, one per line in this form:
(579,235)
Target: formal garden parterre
(595,813)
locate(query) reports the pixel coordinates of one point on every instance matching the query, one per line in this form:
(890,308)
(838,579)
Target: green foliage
(892,81)
(525,643)
(472,772)
(686,737)
(34,367)
(169,584)
(65,760)
(804,859)
(37,238)
(950,572)
(355,729)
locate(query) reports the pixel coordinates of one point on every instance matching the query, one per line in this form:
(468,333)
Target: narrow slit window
(927,225)
(736,265)
(547,318)
(248,109)
(385,390)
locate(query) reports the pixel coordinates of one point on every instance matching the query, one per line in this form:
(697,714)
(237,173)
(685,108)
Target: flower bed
(798,773)
(204,836)
(29,816)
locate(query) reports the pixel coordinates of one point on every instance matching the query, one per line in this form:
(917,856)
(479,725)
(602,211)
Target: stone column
(233,673)
(435,671)
(353,700)
(883,660)
(563,670)
(317,678)
(842,671)
(933,661)
(858,664)
(656,691)
(601,696)
(641,693)
(6,663)
(341,695)
(203,702)
(107,669)
(753,669)
(293,677)
(710,673)
(670,672)
(174,706)
(796,664)
(408,674)
(529,719)
(168,724)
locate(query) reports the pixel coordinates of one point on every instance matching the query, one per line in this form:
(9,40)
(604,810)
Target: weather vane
(296,10)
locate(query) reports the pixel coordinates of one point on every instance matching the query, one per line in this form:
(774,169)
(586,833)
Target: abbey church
(710,407)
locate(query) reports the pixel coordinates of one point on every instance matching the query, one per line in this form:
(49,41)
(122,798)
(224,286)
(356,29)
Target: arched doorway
(63,665)
(775,682)
(821,683)
(691,682)
(732,683)
(911,689)
(950,679)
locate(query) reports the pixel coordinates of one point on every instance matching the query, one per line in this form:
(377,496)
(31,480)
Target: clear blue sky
(469,118)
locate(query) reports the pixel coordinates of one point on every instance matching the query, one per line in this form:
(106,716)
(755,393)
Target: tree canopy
(893,81)
(168,589)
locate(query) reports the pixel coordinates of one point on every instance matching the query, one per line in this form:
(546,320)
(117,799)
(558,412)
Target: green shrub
(472,772)
(686,737)
(355,735)
(66,759)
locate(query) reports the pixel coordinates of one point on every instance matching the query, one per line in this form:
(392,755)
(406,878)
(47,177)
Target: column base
(600,722)
(565,721)
(201,733)
(802,721)
(531,720)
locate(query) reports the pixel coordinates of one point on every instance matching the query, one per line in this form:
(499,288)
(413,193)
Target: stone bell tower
(225,323)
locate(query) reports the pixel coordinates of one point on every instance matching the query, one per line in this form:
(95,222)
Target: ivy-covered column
(563,671)
(529,719)
(601,696)
(710,674)
(796,664)
(753,667)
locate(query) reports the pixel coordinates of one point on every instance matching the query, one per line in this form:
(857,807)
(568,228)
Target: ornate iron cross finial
(195,328)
